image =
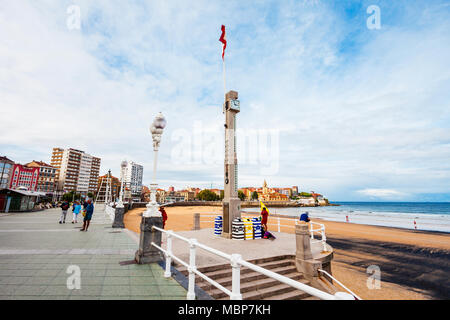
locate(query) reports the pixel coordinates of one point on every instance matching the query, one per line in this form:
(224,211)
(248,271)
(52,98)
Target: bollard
(196,222)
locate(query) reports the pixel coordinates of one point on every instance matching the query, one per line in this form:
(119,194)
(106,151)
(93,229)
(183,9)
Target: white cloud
(382,193)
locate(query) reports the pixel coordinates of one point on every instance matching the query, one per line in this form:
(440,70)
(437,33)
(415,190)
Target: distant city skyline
(353,112)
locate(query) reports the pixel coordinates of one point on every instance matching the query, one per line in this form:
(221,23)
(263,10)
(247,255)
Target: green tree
(255,195)
(241,195)
(305,194)
(70,196)
(207,195)
(221,195)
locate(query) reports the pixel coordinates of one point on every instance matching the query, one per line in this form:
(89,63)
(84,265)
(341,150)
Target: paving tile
(26,290)
(56,290)
(145,290)
(88,290)
(116,290)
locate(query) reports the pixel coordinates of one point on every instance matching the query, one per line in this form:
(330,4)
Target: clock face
(235,105)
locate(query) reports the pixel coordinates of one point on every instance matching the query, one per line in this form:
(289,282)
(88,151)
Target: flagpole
(224,80)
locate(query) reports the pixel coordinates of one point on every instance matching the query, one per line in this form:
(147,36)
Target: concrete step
(246,277)
(280,291)
(256,285)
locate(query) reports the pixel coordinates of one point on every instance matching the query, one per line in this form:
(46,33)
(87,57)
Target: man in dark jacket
(64,206)
(88,217)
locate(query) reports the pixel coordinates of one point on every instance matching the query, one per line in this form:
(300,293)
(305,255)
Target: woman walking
(76,211)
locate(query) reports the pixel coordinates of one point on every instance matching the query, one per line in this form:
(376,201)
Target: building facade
(24,178)
(132,175)
(75,170)
(47,174)
(6,167)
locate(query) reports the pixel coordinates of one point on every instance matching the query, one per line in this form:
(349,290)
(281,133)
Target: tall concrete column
(231,203)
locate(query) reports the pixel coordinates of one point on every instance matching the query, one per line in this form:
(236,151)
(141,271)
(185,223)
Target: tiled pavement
(38,257)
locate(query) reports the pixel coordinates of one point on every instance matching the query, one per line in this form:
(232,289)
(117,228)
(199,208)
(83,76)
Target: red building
(22,176)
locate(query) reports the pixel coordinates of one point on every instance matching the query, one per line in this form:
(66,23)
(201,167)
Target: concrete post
(118,217)
(196,221)
(148,253)
(303,256)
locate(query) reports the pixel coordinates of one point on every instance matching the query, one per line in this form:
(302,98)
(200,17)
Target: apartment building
(132,174)
(75,170)
(46,179)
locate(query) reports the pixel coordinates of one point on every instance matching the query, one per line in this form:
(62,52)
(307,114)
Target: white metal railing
(321,230)
(236,263)
(110,211)
(340,283)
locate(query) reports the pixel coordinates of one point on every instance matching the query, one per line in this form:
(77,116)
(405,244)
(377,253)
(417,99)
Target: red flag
(223,39)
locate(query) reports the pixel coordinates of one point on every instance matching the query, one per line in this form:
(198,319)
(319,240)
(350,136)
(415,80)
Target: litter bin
(257,234)
(237,232)
(248,229)
(218,222)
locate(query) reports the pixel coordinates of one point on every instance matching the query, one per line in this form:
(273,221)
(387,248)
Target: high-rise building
(46,181)
(75,170)
(132,175)
(6,166)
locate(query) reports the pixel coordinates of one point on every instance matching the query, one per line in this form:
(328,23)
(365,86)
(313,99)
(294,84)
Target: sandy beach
(414,264)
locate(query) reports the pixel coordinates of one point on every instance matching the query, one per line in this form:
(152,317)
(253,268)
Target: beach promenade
(41,259)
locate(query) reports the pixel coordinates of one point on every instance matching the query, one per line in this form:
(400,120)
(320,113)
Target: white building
(132,175)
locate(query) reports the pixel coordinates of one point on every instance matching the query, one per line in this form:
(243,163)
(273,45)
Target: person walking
(88,216)
(64,206)
(76,211)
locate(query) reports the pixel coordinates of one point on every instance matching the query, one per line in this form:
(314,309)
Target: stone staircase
(254,285)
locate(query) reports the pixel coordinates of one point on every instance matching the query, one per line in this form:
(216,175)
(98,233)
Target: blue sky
(355,114)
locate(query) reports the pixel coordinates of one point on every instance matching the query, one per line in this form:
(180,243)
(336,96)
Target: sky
(328,103)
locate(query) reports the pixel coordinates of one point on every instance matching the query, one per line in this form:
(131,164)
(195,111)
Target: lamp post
(156,129)
(123,165)
(147,253)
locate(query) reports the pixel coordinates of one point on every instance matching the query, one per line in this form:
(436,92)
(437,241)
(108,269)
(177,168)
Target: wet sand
(413,264)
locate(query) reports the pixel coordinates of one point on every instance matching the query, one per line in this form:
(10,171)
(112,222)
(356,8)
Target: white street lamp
(123,165)
(156,129)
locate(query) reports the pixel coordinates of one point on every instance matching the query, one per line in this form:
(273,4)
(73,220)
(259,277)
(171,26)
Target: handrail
(340,283)
(236,262)
(110,211)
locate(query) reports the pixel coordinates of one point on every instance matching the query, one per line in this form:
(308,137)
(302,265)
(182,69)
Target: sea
(429,216)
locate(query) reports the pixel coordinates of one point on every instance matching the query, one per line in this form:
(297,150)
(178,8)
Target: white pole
(191,284)
(235,277)
(167,272)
